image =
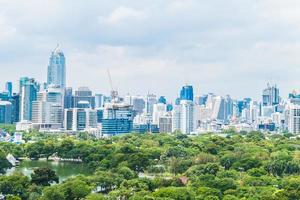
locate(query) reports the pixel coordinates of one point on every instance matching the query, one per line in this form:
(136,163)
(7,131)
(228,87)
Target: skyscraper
(270,96)
(117,119)
(8,88)
(28,94)
(5,112)
(47,110)
(57,69)
(187,93)
(84,94)
(186,116)
(68,98)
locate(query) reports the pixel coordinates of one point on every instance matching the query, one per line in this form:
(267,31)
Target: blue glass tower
(187,93)
(57,69)
(162,99)
(8,88)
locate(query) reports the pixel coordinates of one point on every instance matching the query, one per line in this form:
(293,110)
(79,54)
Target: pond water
(63,170)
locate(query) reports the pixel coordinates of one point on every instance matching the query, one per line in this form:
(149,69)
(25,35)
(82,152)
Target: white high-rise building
(186,116)
(159,110)
(80,119)
(294,119)
(176,118)
(149,102)
(57,69)
(165,123)
(47,110)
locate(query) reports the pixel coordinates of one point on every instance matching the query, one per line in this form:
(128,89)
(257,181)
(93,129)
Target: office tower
(176,118)
(254,112)
(294,119)
(117,119)
(8,88)
(15,101)
(150,101)
(99,100)
(270,96)
(187,93)
(219,109)
(68,98)
(162,99)
(165,123)
(28,94)
(57,69)
(100,114)
(5,112)
(186,116)
(84,94)
(4,96)
(159,110)
(137,102)
(47,110)
(169,107)
(229,107)
(80,119)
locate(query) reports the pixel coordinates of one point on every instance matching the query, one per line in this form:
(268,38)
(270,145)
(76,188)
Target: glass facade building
(57,69)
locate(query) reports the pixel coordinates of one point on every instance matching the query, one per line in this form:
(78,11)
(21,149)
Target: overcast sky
(223,46)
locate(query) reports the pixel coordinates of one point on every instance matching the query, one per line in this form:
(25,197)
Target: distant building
(80,119)
(165,124)
(270,96)
(47,110)
(57,69)
(68,98)
(150,101)
(5,112)
(117,119)
(186,116)
(294,119)
(187,93)
(28,93)
(84,94)
(9,89)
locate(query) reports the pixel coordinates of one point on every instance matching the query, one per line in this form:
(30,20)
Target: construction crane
(113,92)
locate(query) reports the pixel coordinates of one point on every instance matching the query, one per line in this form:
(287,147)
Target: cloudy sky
(228,47)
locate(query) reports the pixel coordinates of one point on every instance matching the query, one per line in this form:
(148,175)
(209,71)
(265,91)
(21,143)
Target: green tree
(44,176)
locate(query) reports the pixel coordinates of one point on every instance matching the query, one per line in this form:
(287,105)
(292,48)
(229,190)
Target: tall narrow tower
(57,69)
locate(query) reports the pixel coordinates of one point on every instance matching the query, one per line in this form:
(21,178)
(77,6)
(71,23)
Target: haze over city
(232,47)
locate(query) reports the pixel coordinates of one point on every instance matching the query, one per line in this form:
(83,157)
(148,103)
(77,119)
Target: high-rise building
(150,101)
(159,110)
(99,100)
(117,119)
(57,69)
(9,88)
(187,93)
(165,123)
(80,119)
(270,96)
(137,102)
(294,119)
(15,101)
(28,94)
(68,98)
(186,116)
(47,110)
(162,99)
(5,112)
(84,94)
(176,118)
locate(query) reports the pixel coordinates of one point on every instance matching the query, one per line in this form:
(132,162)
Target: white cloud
(219,46)
(123,14)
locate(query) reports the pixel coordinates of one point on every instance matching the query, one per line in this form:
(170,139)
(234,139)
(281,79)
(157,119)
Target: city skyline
(176,42)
